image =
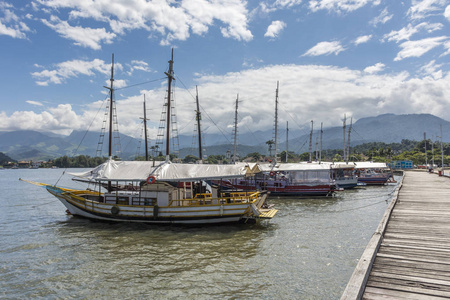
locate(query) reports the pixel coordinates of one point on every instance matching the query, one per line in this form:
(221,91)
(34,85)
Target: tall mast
(111,94)
(170,77)
(348,140)
(145,131)
(287,140)
(199,117)
(345,145)
(235,129)
(276,122)
(310,141)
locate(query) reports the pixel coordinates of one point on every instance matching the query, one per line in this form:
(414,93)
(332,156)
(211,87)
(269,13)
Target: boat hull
(286,190)
(197,214)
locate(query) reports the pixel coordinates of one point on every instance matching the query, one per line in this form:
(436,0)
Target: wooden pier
(408,257)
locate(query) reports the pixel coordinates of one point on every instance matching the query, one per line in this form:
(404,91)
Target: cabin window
(122,200)
(150,201)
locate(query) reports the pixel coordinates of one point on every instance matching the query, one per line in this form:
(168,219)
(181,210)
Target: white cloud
(85,37)
(378,67)
(421,9)
(341,90)
(70,69)
(383,18)
(170,20)
(419,48)
(432,69)
(138,65)
(37,103)
(362,39)
(11,24)
(408,31)
(338,5)
(447,13)
(274,29)
(325,48)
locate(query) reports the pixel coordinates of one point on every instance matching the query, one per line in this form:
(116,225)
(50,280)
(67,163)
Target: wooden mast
(276,124)
(145,132)
(235,130)
(170,77)
(199,117)
(111,97)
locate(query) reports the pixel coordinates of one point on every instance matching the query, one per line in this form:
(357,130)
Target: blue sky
(331,57)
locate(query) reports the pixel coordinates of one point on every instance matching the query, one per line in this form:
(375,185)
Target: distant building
(402,164)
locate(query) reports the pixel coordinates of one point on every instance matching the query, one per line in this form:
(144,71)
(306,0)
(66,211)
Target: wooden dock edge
(356,285)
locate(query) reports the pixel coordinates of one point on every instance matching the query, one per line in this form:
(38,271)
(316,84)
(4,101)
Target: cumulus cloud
(432,69)
(362,39)
(11,24)
(383,18)
(378,67)
(421,9)
(419,48)
(167,19)
(83,36)
(447,13)
(304,89)
(408,31)
(338,6)
(325,48)
(73,68)
(37,103)
(274,29)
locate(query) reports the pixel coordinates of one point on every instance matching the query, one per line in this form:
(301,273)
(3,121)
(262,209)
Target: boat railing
(224,198)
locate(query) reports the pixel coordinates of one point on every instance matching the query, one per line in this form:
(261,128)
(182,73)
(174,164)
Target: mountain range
(388,128)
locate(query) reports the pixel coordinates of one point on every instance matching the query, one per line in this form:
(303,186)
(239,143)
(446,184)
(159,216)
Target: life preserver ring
(115,210)
(272,173)
(151,179)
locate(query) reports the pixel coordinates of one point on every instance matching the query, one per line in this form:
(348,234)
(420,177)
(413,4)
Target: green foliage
(80,161)
(216,159)
(190,159)
(4,159)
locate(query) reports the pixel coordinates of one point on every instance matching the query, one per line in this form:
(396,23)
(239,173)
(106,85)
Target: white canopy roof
(303,166)
(166,171)
(370,165)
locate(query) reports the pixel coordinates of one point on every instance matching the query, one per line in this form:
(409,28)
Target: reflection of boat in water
(371,173)
(286,179)
(166,193)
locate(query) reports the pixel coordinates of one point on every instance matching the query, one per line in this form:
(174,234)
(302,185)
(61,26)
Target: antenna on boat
(170,77)
(199,117)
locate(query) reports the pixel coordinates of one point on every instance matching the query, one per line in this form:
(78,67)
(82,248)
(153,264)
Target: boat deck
(409,255)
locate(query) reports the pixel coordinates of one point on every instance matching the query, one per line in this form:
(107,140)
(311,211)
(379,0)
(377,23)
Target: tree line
(419,152)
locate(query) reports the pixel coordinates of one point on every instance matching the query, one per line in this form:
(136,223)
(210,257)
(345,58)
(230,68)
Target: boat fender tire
(115,210)
(151,179)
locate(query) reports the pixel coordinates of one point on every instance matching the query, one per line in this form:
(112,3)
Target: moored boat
(139,191)
(286,179)
(372,173)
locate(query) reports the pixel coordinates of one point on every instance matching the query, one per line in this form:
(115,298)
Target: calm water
(308,251)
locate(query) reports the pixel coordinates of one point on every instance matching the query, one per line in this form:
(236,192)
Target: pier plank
(412,260)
